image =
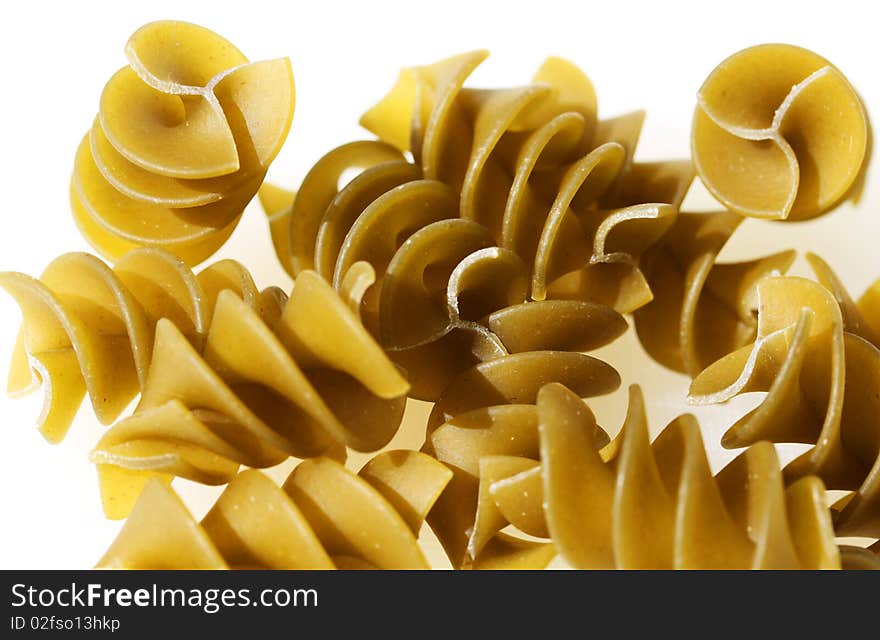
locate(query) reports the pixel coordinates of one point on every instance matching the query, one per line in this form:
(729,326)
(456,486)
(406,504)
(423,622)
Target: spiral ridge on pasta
(546,177)
(88,329)
(181,143)
(311,381)
(532,166)
(817,358)
(550,471)
(764,140)
(702,309)
(463,241)
(439,295)
(324,517)
(493,402)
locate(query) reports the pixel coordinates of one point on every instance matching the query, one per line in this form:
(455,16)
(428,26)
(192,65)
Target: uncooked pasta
(702,308)
(551,472)
(89,329)
(763,139)
(311,383)
(465,241)
(815,359)
(324,517)
(532,166)
(470,256)
(182,141)
(599,502)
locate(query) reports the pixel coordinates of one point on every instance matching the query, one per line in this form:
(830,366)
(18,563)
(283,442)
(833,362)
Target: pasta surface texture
(500,396)
(764,141)
(517,225)
(816,356)
(548,179)
(702,308)
(533,167)
(89,329)
(550,471)
(307,381)
(181,143)
(324,517)
(468,256)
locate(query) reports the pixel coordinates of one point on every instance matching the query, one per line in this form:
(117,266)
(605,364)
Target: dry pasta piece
(324,517)
(702,309)
(182,141)
(489,410)
(492,452)
(545,193)
(763,141)
(743,517)
(441,296)
(550,472)
(277,204)
(532,166)
(446,300)
(89,328)
(530,161)
(311,383)
(821,381)
(861,317)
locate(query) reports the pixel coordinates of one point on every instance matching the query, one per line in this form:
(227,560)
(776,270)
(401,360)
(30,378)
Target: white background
(56,57)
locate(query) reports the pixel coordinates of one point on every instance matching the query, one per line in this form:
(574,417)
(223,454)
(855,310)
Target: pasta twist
(439,294)
(475,312)
(324,517)
(532,166)
(817,359)
(310,382)
(546,178)
(701,309)
(89,328)
(550,471)
(763,141)
(492,406)
(182,141)
(464,241)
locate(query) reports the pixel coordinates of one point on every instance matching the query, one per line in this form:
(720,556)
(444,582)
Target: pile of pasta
(324,517)
(469,256)
(536,467)
(227,374)
(816,356)
(183,138)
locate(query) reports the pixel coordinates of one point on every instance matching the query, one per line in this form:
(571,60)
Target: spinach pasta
(702,308)
(533,166)
(815,359)
(462,267)
(550,471)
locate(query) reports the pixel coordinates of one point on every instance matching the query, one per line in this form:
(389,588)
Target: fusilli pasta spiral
(532,166)
(764,141)
(549,471)
(312,382)
(182,141)
(463,238)
(815,359)
(324,517)
(89,328)
(702,309)
(490,407)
